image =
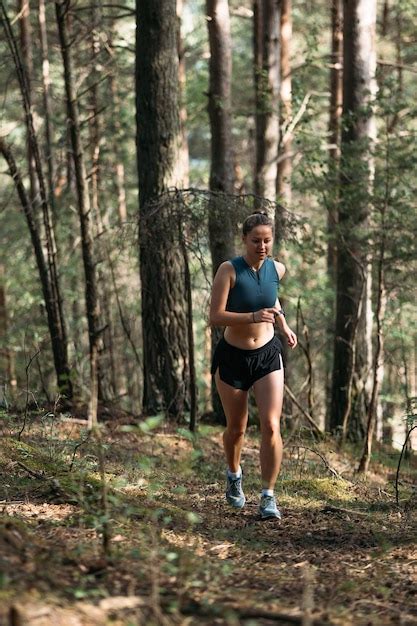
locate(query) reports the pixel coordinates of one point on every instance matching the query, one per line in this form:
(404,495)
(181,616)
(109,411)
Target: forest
(135,139)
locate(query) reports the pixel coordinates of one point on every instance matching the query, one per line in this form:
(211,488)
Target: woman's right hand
(265,315)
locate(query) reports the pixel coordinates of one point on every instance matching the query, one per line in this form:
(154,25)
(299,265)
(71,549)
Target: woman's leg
(235,406)
(268,395)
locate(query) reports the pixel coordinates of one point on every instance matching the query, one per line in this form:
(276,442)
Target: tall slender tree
(334,128)
(83,205)
(285,144)
(164,323)
(47,107)
(8,382)
(267,84)
(352,306)
(25,29)
(182,96)
(335,116)
(222,175)
(44,247)
(221,230)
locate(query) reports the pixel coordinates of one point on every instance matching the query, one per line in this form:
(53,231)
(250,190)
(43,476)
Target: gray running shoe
(234,492)
(268,508)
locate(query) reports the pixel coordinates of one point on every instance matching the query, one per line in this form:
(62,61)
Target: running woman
(245,301)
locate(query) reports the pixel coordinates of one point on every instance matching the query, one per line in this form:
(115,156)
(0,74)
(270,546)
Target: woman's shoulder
(225,275)
(226,269)
(280,268)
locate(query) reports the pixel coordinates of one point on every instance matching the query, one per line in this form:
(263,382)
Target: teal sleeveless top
(253,290)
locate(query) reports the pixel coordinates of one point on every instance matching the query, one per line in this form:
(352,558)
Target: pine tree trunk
(266,98)
(23,8)
(356,179)
(335,117)
(284,160)
(5,351)
(378,370)
(84,209)
(47,267)
(106,363)
(59,346)
(115,129)
(164,320)
(221,231)
(47,112)
(182,97)
(221,222)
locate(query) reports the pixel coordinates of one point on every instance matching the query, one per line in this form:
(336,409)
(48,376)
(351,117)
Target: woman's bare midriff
(249,336)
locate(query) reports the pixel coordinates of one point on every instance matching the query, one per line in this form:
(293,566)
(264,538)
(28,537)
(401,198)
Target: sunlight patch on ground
(40,512)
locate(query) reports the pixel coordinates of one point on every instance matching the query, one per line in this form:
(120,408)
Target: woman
(244,300)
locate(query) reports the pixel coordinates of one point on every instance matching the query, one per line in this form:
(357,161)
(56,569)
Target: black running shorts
(241,368)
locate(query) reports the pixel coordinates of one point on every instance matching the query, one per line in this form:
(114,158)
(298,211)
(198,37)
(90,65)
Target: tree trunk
(356,178)
(221,231)
(267,89)
(182,97)
(84,212)
(164,320)
(107,362)
(378,370)
(221,221)
(23,8)
(115,127)
(284,153)
(59,345)
(47,109)
(47,268)
(335,117)
(8,381)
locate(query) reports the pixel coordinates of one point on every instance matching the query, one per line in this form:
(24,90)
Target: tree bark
(107,387)
(267,89)
(221,231)
(222,175)
(23,7)
(359,89)
(334,128)
(116,127)
(164,319)
(284,152)
(84,209)
(8,381)
(47,112)
(182,97)
(59,346)
(47,267)
(335,116)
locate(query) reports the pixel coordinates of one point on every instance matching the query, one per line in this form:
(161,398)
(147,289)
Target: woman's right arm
(222,284)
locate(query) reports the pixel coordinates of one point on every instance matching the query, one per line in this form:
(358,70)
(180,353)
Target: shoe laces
(235,486)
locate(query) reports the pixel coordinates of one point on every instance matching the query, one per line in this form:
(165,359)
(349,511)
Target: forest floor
(155,543)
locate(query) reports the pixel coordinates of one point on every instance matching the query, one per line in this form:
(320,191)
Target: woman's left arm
(280,317)
(286,330)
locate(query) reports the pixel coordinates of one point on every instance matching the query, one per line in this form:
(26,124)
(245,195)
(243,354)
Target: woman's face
(259,242)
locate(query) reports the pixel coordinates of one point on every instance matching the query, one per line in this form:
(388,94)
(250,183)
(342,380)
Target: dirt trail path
(176,554)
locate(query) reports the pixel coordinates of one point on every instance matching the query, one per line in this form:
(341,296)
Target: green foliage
(315,188)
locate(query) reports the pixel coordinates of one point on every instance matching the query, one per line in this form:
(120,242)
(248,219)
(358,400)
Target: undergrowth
(138,510)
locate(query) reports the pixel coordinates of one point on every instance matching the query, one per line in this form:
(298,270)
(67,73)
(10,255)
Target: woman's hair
(258,218)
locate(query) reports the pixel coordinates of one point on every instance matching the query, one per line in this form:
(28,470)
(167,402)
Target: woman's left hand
(291,337)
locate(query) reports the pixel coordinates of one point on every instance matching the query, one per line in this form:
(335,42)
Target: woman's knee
(236,431)
(270,428)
